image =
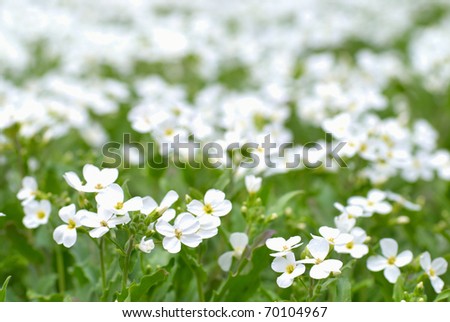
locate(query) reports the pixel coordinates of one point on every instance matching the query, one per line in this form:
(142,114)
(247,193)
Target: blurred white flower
(374,203)
(28,191)
(239,242)
(391,261)
(36,213)
(434,269)
(253,184)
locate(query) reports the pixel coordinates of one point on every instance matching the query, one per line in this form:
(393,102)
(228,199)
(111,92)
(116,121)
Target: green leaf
(3,289)
(344,290)
(139,292)
(399,289)
(444,296)
(223,181)
(281,203)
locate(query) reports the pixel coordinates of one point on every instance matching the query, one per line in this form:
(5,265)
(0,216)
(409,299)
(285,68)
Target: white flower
(67,234)
(433,269)
(214,204)
(239,242)
(390,261)
(402,201)
(96,180)
(374,203)
(322,268)
(2,214)
(208,226)
(282,246)
(351,212)
(290,269)
(209,212)
(184,230)
(28,191)
(146,246)
(356,248)
(102,221)
(150,205)
(334,236)
(112,199)
(253,184)
(36,213)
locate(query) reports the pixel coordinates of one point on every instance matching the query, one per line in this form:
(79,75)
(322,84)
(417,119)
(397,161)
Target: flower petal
(438,284)
(172,244)
(196,207)
(98,232)
(319,248)
(276,243)
(68,212)
(58,234)
(377,263)
(318,273)
(238,240)
(192,240)
(279,264)
(425,261)
(404,258)
(170,198)
(70,238)
(165,229)
(222,208)
(148,205)
(285,280)
(389,247)
(214,195)
(439,265)
(392,273)
(225,261)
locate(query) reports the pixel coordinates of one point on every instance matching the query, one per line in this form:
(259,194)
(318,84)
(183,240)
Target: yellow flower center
(169,132)
(40,214)
(103,223)
(98,186)
(208,209)
(178,233)
(71,224)
(285,248)
(391,260)
(318,261)
(119,205)
(370,203)
(432,272)
(290,268)
(350,245)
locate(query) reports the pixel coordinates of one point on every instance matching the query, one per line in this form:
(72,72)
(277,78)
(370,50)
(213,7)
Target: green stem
(102,263)
(60,269)
(201,295)
(126,266)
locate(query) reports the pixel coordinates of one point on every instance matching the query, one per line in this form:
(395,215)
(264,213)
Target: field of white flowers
(348,200)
